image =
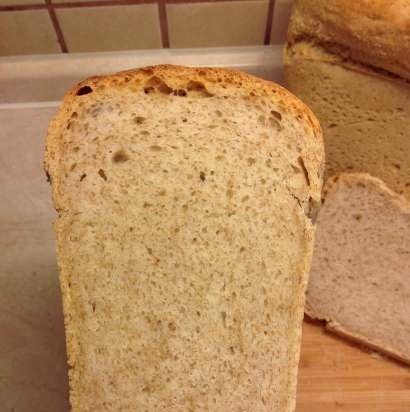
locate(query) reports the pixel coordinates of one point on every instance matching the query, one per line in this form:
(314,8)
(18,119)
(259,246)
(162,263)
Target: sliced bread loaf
(184,239)
(360,275)
(350,62)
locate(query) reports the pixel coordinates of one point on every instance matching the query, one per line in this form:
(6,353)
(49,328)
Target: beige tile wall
(27,32)
(210,24)
(124,27)
(55,26)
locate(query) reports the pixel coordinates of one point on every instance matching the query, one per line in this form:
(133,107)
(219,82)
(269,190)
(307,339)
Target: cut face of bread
(360,275)
(364,113)
(184,239)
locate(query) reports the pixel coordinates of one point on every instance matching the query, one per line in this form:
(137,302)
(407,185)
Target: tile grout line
(269,22)
(163,23)
(57,27)
(200,1)
(100,3)
(22,7)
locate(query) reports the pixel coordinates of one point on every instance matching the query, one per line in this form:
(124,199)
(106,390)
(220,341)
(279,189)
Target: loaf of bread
(349,60)
(185,200)
(360,277)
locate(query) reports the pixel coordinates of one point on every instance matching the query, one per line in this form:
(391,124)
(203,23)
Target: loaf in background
(184,236)
(350,62)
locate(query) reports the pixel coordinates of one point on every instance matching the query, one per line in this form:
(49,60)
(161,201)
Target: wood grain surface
(336,375)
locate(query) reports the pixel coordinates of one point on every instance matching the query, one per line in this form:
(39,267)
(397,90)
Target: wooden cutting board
(338,376)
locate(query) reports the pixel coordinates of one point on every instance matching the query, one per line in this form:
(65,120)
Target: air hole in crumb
(93,306)
(155,148)
(202,176)
(358,216)
(172,327)
(139,119)
(84,90)
(102,174)
(156,83)
(198,87)
(251,161)
(305,172)
(276,115)
(73,166)
(223,316)
(397,166)
(120,157)
(83,176)
(180,92)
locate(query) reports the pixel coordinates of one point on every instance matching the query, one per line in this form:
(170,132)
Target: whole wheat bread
(184,238)
(349,60)
(360,275)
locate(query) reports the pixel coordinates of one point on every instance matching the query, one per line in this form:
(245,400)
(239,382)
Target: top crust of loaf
(177,80)
(373,32)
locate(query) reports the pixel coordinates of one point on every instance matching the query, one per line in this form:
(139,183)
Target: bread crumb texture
(364,113)
(185,200)
(359,280)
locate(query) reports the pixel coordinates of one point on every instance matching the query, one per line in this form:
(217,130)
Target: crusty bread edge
(334,327)
(217,81)
(240,84)
(331,325)
(374,33)
(315,52)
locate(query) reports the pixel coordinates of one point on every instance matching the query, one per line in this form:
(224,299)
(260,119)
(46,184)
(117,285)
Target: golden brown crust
(214,81)
(373,32)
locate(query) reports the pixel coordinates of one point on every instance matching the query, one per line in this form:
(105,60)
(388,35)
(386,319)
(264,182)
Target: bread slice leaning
(184,238)
(360,276)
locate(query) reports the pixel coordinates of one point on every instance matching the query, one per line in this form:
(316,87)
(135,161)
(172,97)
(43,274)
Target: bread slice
(360,275)
(350,62)
(184,238)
